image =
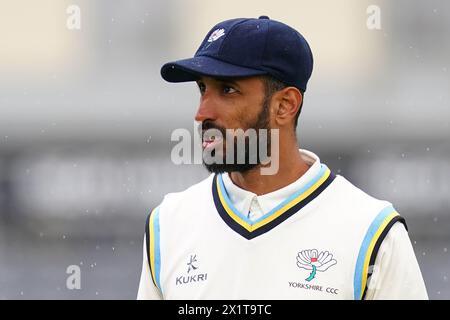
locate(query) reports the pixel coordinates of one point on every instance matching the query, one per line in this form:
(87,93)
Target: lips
(210,142)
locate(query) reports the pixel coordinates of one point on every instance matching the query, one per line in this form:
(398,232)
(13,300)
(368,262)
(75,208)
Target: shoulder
(179,201)
(347,194)
(358,208)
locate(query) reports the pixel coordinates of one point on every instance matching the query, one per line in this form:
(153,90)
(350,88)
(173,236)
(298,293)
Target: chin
(222,168)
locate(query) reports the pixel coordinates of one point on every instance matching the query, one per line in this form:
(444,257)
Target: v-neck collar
(248,229)
(256,206)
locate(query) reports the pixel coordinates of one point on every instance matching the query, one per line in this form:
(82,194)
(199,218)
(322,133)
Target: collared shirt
(396,273)
(396,266)
(256,206)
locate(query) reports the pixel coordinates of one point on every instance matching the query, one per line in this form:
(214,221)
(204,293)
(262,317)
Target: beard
(241,160)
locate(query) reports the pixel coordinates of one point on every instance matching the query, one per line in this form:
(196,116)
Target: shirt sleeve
(396,273)
(147,289)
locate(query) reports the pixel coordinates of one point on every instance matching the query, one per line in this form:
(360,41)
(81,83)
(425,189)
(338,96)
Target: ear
(289,100)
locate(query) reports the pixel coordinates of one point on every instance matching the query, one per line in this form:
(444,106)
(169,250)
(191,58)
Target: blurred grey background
(85,124)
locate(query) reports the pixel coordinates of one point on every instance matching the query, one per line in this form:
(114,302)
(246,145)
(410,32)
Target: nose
(206,109)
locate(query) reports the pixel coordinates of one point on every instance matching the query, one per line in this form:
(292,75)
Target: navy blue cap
(247,47)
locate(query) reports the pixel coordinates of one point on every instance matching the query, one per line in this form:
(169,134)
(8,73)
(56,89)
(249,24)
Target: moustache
(209,125)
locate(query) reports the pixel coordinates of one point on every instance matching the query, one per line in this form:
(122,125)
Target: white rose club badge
(314,261)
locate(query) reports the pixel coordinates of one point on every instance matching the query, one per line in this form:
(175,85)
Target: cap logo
(216,35)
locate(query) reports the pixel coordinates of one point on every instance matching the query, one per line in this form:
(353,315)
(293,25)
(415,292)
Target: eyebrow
(228,81)
(231,81)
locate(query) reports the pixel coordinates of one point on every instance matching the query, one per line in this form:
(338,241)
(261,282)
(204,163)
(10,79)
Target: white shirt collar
(254,206)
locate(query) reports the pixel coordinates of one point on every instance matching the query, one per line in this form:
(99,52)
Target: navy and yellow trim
(153,246)
(248,229)
(370,246)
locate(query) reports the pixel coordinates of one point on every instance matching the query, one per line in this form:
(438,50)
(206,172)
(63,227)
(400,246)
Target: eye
(201,87)
(228,89)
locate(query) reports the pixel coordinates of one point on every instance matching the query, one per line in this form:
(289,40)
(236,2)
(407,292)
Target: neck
(291,168)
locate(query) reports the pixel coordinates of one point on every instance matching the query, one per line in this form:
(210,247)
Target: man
(299,232)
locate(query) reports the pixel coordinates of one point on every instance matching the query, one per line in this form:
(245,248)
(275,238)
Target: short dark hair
(272,85)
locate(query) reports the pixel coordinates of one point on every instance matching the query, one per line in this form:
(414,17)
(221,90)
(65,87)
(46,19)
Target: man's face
(231,104)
